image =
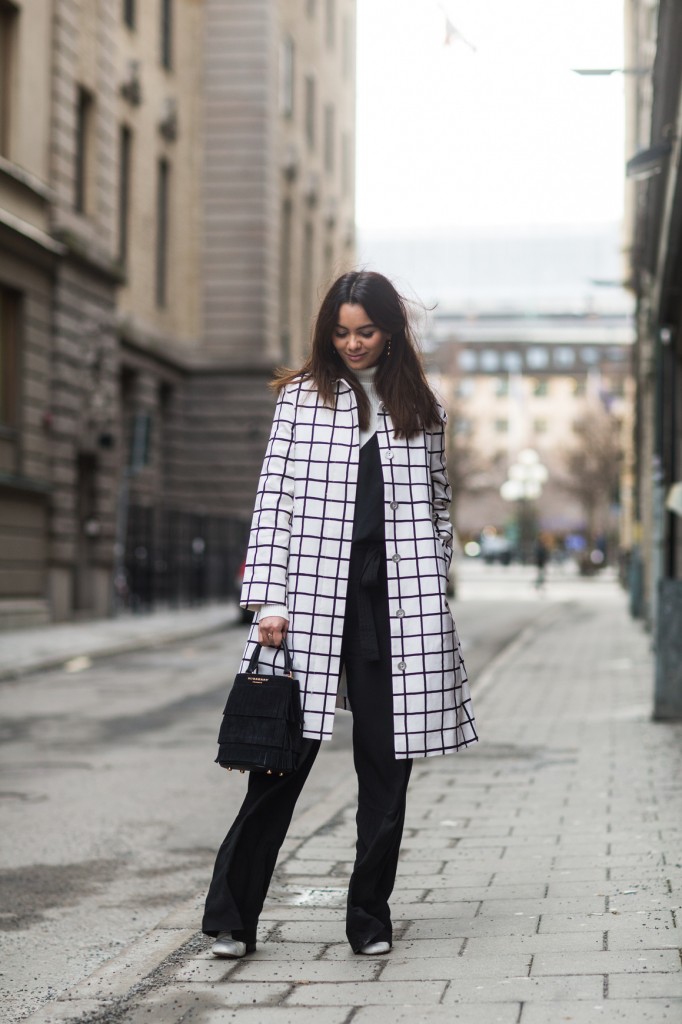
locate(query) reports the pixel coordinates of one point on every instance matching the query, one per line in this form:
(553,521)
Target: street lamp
(523,485)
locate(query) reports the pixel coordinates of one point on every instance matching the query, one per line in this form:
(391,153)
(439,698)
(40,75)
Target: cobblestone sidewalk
(539,882)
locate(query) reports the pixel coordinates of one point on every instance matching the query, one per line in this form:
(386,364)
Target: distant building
(176,186)
(513,383)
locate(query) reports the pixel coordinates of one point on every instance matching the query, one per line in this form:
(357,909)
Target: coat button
(395,558)
(400,613)
(434,516)
(389,454)
(394,505)
(402,666)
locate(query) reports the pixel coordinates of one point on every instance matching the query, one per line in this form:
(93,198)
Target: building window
(348,52)
(467,360)
(564,356)
(329,133)
(465,387)
(512,362)
(84,139)
(129,13)
(139,455)
(8,37)
(167,33)
(310,110)
(541,387)
(540,426)
(580,387)
(346,165)
(307,274)
(125,160)
(501,386)
(162,190)
(537,358)
(9,356)
(490,361)
(463,426)
(589,355)
(285,258)
(286,76)
(330,23)
(501,426)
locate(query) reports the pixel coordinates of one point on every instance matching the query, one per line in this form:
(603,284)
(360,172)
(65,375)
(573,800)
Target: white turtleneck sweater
(366,378)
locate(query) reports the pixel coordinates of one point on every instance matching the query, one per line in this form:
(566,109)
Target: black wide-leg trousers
(247,857)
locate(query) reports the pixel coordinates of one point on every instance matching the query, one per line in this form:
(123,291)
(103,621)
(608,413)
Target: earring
(388,348)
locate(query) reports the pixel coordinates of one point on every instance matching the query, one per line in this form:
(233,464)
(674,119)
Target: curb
(126,645)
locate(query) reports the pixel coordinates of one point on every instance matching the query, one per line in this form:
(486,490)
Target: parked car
(496,548)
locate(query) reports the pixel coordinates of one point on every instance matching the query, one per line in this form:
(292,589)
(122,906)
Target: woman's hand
(272,630)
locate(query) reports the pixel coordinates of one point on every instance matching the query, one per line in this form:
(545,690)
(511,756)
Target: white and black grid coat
(299,553)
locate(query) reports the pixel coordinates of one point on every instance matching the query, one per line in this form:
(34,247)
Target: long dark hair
(399,382)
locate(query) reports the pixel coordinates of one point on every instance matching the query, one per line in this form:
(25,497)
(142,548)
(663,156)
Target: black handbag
(262,724)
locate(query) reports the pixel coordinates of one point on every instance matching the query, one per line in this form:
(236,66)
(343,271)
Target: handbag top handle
(288,663)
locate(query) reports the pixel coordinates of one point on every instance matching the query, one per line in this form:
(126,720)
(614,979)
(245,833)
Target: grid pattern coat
(299,553)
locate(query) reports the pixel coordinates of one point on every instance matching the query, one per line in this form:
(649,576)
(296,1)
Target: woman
(348,559)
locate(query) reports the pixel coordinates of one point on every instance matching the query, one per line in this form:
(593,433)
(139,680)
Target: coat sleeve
(265,572)
(441,493)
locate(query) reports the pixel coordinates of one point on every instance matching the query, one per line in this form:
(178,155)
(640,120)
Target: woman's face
(358,341)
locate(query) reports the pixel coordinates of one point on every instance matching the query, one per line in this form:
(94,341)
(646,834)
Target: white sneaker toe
(374,948)
(227,947)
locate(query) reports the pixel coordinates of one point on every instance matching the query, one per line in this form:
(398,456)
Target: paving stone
(299,914)
(202,969)
(442,928)
(565,942)
(460,911)
(538,990)
(639,986)
(645,938)
(412,949)
(531,890)
(436,882)
(609,1011)
(403,968)
(359,968)
(548,905)
(467,1013)
(606,962)
(606,922)
(395,993)
(311,931)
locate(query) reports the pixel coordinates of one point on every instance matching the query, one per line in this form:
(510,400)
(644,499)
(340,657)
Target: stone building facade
(654,256)
(176,186)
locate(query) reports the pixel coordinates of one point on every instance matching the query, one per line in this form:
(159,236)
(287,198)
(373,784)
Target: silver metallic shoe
(228,948)
(374,948)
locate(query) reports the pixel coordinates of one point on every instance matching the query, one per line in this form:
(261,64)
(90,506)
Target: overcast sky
(500,136)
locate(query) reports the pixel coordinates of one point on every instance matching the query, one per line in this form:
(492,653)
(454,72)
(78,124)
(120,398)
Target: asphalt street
(112,806)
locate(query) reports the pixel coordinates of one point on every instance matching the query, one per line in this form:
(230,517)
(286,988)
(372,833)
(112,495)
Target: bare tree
(593,465)
(468,472)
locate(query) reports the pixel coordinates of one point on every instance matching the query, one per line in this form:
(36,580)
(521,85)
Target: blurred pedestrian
(348,559)
(541,559)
